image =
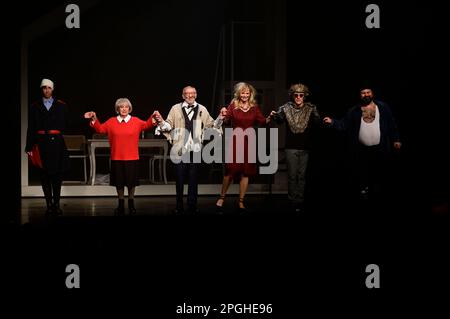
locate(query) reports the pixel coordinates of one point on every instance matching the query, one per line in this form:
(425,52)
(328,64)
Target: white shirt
(369,133)
(189,110)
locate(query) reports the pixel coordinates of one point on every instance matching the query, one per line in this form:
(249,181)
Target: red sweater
(123,137)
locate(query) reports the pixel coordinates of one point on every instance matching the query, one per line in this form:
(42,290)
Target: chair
(98,136)
(162,171)
(76,145)
(155,154)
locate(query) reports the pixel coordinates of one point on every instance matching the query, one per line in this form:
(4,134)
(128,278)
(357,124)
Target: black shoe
(120,210)
(131,208)
(296,207)
(193,210)
(364,193)
(57,210)
(178,211)
(49,210)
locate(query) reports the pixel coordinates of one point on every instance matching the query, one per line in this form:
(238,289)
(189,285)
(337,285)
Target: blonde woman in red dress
(123,133)
(242,113)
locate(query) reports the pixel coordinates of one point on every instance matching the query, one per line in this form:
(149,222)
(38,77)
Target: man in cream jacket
(184,128)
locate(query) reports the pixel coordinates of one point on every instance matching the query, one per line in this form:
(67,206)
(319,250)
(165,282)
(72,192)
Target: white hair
(123,100)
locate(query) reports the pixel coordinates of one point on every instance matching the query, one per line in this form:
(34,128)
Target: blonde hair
(121,101)
(238,88)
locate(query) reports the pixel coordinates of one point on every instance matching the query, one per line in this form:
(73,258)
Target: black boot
(49,209)
(131,208)
(120,210)
(56,209)
(47,188)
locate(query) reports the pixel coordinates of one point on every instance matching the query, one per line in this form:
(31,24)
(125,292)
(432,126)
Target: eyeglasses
(298,94)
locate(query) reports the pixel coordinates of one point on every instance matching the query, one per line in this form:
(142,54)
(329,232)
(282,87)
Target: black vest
(189,124)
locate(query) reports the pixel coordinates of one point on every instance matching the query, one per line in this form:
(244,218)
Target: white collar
(126,119)
(185,104)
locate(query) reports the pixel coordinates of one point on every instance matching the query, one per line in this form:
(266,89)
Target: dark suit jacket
(52,148)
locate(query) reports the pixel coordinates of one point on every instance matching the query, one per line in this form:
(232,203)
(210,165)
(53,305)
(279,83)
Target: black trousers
(187,171)
(372,168)
(51,185)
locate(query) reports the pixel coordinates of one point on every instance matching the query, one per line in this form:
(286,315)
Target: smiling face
(244,96)
(366,96)
(189,94)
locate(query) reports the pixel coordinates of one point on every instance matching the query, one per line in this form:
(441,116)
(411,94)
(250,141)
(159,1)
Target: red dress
(243,120)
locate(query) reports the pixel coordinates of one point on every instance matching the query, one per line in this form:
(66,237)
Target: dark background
(329,49)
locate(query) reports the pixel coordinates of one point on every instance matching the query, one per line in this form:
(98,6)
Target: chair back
(75,143)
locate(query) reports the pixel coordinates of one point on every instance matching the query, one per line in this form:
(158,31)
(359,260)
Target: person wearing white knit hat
(46,124)
(47,82)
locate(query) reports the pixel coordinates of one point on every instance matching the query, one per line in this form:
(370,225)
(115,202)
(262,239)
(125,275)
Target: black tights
(121,192)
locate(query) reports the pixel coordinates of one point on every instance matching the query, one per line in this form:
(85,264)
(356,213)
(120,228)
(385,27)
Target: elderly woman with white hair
(123,133)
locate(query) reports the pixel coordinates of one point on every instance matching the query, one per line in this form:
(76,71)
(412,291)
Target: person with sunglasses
(300,117)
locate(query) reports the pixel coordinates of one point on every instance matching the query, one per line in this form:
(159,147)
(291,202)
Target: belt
(52,132)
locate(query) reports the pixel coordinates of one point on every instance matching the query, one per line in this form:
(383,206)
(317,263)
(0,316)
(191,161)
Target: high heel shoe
(220,207)
(222,198)
(241,206)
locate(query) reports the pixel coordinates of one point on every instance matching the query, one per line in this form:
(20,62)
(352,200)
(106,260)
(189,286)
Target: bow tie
(189,106)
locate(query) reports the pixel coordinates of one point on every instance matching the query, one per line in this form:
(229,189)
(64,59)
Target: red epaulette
(61,101)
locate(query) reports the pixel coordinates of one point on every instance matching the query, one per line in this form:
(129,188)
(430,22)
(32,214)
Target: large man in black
(46,124)
(372,137)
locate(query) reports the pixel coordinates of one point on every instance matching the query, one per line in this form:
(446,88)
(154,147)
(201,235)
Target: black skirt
(124,173)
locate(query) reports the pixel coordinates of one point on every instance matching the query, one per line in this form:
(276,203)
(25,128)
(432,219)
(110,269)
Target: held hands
(156,116)
(90,115)
(271,116)
(327,120)
(223,112)
(397,145)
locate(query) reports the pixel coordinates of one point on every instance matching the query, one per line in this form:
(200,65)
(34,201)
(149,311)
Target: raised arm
(260,118)
(315,116)
(339,124)
(95,123)
(164,126)
(151,122)
(278,116)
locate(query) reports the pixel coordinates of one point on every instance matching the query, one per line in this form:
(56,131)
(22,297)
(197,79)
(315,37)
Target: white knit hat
(47,82)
